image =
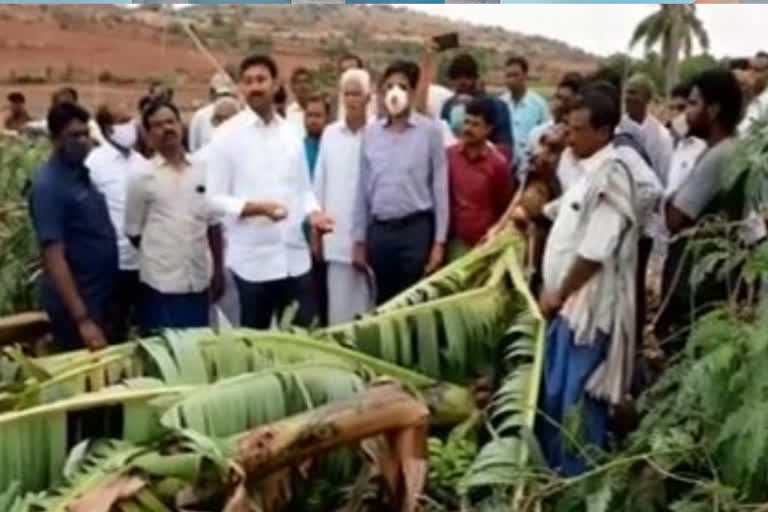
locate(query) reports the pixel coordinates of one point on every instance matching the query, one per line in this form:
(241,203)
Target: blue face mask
(456,118)
(75,152)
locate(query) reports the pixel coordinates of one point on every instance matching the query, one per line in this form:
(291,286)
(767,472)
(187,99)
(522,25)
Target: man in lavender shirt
(402,205)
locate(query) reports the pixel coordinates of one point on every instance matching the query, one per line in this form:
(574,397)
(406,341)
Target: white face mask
(124,135)
(396,100)
(680,125)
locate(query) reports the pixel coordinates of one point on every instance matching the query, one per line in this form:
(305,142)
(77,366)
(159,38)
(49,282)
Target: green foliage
(19,257)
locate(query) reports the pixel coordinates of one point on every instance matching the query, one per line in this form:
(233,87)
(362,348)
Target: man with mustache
(167,218)
(481,186)
(77,239)
(259,177)
(403,206)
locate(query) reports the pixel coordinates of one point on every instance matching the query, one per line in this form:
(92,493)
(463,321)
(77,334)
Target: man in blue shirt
(77,238)
(465,78)
(316,115)
(527,108)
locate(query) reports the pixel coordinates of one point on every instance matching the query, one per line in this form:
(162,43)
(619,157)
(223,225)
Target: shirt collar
(411,121)
(160,162)
(256,119)
(594,162)
(477,157)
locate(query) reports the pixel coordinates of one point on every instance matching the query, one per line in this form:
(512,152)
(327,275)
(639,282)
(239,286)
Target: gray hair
(361,76)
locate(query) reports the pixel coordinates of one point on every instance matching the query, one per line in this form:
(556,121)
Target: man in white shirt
(758,78)
(301,87)
(641,124)
(347,62)
(589,288)
(201,126)
(178,236)
(111,167)
(336,180)
(225,108)
(258,176)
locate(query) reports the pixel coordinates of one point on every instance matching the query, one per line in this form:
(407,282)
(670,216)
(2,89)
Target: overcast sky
(606,29)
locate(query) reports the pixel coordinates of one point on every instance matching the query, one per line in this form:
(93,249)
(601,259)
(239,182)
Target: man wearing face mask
(112,166)
(77,238)
(403,208)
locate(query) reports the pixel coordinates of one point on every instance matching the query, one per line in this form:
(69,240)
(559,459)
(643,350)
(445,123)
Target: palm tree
(675,26)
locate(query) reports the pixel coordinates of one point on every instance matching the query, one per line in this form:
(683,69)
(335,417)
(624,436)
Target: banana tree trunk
(385,410)
(672,43)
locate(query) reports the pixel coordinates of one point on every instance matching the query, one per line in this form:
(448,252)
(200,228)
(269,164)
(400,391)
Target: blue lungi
(566,371)
(172,311)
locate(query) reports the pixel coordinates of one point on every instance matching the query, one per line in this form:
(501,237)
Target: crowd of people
(259,205)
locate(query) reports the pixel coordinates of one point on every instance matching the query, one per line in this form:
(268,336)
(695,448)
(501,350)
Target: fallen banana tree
(218,470)
(475,318)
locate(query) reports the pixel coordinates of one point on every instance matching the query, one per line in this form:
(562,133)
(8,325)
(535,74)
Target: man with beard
(112,166)
(403,206)
(714,111)
(259,177)
(168,220)
(77,238)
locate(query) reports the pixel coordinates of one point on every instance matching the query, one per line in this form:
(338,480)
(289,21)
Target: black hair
(16,97)
(571,81)
(104,117)
(463,66)
(518,60)
(65,90)
(482,107)
(61,114)
(322,99)
(740,64)
(603,87)
(352,56)
(403,67)
(154,107)
(259,60)
(681,90)
(144,102)
(603,109)
(720,87)
(300,71)
(607,74)
(762,54)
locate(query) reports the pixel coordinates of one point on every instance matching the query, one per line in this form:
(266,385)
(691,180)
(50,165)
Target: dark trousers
(172,310)
(643,254)
(122,312)
(320,289)
(260,302)
(398,251)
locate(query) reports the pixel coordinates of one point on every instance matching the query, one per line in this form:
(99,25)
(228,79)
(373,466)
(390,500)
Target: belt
(401,221)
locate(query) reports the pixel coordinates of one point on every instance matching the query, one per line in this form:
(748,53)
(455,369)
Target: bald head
(224,108)
(639,93)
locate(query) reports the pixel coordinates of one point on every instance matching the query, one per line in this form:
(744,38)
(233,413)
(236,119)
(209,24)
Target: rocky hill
(108,50)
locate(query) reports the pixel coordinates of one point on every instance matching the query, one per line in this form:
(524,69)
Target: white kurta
(336,179)
(656,141)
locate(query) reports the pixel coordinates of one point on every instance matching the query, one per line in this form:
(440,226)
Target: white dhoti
(226,313)
(349,292)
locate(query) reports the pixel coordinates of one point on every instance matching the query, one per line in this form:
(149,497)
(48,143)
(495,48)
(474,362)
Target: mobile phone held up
(447,41)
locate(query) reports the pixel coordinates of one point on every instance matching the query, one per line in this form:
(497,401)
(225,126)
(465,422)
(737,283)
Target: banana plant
(454,337)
